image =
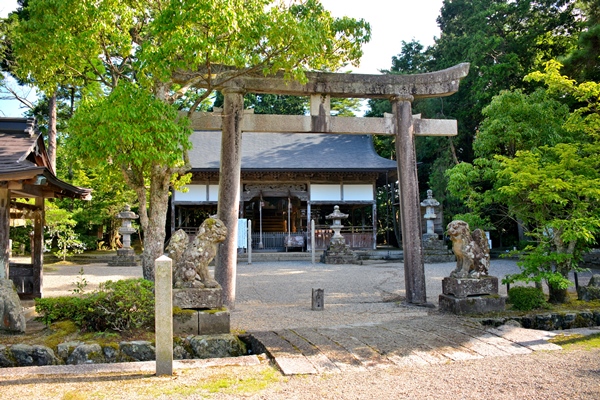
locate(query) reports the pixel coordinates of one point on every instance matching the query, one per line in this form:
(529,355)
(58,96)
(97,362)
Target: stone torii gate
(401,90)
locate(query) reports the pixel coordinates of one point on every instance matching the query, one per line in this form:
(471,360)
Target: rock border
(77,353)
(550,321)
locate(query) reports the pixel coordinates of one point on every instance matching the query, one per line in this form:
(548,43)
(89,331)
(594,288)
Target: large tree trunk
(557,296)
(52,131)
(153,205)
(154,234)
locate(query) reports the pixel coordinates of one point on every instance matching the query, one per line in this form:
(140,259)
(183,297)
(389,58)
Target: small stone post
(318,300)
(163,289)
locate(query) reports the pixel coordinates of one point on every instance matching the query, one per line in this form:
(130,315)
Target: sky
(392,21)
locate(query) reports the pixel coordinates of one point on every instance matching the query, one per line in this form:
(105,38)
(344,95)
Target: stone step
(422,341)
(289,359)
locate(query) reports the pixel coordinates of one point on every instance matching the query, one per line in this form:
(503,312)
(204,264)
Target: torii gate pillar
(400,89)
(410,212)
(229,190)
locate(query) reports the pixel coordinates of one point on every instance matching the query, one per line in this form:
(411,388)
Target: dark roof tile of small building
(23,156)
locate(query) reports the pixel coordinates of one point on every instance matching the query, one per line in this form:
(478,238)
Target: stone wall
(592,259)
(550,321)
(75,353)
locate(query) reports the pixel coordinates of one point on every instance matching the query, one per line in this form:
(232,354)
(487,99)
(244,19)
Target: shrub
(120,306)
(526,298)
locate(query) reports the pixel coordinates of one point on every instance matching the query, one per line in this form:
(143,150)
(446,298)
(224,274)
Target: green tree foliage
(60,233)
(271,103)
(583,62)
(514,121)
(503,40)
(342,107)
(555,190)
(129,52)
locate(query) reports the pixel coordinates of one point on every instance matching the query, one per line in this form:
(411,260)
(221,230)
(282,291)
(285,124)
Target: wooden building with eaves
(287,179)
(27,179)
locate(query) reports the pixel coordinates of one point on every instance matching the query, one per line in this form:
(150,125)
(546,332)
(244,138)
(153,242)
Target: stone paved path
(419,341)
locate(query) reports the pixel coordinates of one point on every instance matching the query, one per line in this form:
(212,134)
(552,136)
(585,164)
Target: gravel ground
(546,375)
(278,295)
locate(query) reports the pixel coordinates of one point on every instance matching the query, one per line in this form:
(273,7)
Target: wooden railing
(356,237)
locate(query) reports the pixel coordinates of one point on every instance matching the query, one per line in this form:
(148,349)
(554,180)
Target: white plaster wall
(194,193)
(213,192)
(358,192)
(323,192)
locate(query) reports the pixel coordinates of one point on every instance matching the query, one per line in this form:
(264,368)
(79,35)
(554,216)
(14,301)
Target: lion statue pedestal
(196,295)
(469,289)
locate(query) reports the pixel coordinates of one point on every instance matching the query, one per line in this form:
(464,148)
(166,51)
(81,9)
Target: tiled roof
(18,139)
(292,151)
(23,157)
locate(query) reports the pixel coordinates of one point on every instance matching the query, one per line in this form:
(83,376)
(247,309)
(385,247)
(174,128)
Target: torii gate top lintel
(426,85)
(401,90)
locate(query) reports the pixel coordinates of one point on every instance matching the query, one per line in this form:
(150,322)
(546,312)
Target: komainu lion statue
(191,259)
(472,251)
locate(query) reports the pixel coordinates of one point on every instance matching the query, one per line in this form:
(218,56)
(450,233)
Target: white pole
(249,241)
(260,242)
(312,240)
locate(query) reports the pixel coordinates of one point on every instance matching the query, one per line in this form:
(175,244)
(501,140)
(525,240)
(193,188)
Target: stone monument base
(201,322)
(124,258)
(339,253)
(199,299)
(471,295)
(472,305)
(465,287)
(435,250)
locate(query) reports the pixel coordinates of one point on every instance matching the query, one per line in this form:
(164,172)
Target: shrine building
(287,179)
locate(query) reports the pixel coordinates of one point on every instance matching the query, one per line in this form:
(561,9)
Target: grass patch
(74,396)
(577,342)
(237,381)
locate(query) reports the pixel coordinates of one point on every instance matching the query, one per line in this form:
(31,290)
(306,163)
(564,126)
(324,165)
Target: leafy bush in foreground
(525,298)
(120,306)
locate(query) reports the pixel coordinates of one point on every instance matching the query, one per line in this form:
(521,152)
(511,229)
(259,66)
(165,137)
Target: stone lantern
(337,226)
(430,203)
(434,249)
(126,254)
(338,252)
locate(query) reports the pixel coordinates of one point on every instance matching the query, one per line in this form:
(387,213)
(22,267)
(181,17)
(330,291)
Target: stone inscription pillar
(410,210)
(4,232)
(229,191)
(163,315)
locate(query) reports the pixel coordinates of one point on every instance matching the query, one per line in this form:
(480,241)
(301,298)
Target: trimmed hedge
(119,306)
(525,298)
